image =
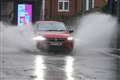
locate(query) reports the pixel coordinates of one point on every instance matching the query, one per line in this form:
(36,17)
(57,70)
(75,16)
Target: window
(60,5)
(50,26)
(63,5)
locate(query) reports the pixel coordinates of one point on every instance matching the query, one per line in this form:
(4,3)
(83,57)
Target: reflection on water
(97,67)
(39,68)
(69,67)
(52,69)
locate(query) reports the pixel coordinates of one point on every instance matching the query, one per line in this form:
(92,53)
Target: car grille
(56,40)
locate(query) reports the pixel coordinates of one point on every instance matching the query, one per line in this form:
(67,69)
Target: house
(62,9)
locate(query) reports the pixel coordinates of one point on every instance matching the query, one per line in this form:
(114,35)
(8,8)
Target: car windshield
(50,26)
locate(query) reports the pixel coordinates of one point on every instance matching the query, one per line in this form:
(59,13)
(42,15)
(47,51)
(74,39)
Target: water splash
(16,38)
(96,30)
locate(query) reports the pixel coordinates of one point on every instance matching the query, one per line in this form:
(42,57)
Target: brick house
(49,9)
(62,9)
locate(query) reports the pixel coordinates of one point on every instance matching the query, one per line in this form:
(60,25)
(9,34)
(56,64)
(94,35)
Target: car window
(50,26)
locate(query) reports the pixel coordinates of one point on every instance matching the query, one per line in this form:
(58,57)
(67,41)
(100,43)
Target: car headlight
(41,38)
(70,38)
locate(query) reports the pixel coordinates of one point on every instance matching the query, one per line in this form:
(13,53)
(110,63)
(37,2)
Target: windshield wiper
(51,30)
(55,30)
(60,30)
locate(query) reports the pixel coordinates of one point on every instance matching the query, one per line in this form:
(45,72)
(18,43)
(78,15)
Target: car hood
(54,34)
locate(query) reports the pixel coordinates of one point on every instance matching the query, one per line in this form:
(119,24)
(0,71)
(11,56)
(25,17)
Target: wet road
(80,65)
(17,63)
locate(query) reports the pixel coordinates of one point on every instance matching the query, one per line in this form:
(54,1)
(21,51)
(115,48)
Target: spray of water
(96,30)
(16,38)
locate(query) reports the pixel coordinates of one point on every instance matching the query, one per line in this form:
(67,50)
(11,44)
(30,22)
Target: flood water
(91,59)
(87,65)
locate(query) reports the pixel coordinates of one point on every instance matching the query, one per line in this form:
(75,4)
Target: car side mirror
(71,31)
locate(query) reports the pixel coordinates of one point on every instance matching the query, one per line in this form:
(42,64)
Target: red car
(53,35)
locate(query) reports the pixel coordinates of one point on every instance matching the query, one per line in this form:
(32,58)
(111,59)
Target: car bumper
(67,46)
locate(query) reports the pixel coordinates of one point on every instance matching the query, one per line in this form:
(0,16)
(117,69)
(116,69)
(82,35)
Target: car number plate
(55,44)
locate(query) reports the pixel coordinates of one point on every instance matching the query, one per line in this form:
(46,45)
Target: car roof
(49,22)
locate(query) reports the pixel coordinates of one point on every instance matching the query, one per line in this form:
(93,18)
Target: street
(88,29)
(83,65)
(91,58)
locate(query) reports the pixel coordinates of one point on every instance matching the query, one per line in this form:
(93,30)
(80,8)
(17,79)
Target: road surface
(85,64)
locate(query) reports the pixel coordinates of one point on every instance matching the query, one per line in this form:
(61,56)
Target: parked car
(53,35)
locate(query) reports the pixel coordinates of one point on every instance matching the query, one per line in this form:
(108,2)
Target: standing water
(95,39)
(95,31)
